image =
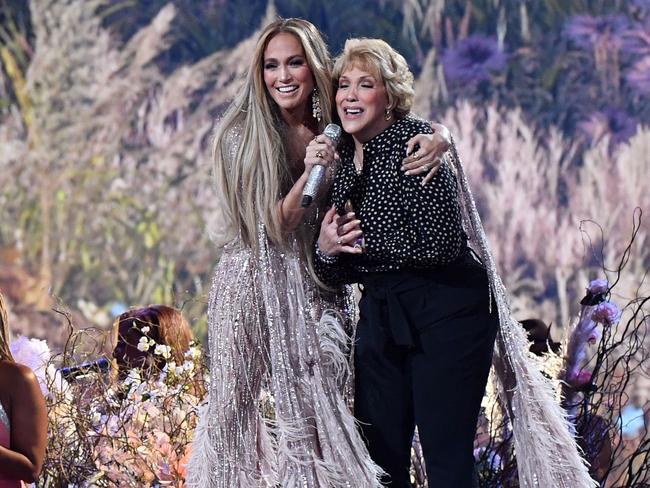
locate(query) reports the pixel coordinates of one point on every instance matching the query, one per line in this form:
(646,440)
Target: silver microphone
(317,173)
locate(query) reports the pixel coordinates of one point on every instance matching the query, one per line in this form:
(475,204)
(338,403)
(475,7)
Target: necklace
(358,162)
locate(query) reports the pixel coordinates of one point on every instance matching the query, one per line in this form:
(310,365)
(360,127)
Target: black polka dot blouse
(405,225)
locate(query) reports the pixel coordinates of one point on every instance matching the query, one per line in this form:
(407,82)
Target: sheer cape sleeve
(547,454)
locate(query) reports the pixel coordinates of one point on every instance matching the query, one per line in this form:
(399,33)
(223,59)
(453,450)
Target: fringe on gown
(547,453)
(272,331)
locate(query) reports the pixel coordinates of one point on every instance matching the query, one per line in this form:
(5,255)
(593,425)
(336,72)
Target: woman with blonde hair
(431,307)
(23,416)
(268,330)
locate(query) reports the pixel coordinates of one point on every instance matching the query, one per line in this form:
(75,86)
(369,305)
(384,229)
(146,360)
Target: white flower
(143,344)
(145,329)
(96,418)
(35,354)
(163,350)
(188,366)
(179,370)
(133,378)
(193,353)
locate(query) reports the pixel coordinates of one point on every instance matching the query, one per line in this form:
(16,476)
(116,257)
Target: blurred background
(107,109)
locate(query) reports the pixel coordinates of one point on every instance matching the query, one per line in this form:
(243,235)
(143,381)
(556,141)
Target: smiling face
(361,102)
(287,75)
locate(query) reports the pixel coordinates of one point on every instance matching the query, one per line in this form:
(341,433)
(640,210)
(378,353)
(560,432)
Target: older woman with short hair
(425,336)
(427,326)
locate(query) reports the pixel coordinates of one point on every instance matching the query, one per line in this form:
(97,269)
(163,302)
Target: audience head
(539,335)
(163,325)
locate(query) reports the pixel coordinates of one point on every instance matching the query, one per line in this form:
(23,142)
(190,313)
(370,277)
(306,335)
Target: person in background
(148,337)
(23,416)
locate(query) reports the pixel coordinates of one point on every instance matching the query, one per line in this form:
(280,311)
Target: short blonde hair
(380,59)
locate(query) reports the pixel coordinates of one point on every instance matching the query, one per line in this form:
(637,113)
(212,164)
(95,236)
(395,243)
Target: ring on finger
(319,154)
(339,241)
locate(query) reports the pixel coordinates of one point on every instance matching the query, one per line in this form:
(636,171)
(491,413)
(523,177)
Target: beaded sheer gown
(276,414)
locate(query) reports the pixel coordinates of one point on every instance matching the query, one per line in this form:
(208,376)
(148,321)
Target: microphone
(71,372)
(317,173)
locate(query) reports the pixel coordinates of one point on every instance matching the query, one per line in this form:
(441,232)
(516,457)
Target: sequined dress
(276,415)
(5,441)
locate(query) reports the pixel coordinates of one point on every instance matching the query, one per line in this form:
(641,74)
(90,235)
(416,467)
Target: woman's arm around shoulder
(23,460)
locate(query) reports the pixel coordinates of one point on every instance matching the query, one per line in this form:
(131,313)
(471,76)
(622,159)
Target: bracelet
(325,258)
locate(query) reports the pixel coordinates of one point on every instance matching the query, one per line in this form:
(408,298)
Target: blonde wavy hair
(253,175)
(5,351)
(384,63)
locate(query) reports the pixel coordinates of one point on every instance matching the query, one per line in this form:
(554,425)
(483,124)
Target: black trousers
(423,354)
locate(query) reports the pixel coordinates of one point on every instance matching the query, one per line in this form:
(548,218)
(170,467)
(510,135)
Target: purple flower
(636,42)
(638,77)
(474,59)
(606,313)
(594,335)
(613,122)
(598,287)
(587,32)
(580,378)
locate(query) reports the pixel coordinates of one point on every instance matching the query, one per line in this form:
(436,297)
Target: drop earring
(315,105)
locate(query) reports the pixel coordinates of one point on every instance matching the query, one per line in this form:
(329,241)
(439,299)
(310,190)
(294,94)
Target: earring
(388,113)
(315,105)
